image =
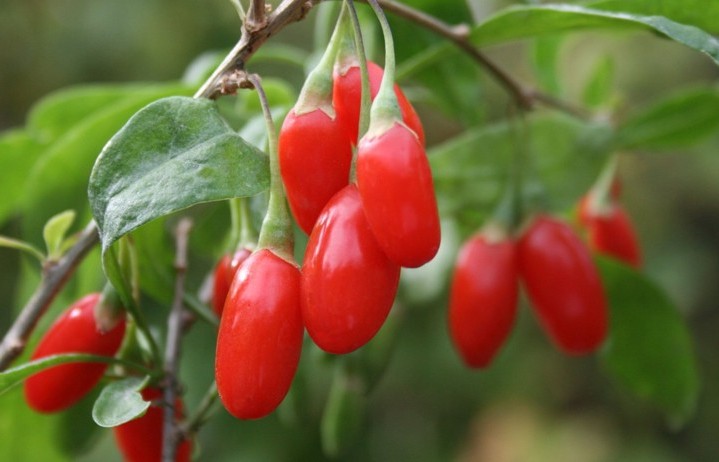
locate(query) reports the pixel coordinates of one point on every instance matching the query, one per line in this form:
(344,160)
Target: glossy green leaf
(58,180)
(16,375)
(55,230)
(678,120)
(649,349)
(120,402)
(598,90)
(174,153)
(700,13)
(520,22)
(18,153)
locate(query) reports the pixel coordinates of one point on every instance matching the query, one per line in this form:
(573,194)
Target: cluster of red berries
(557,271)
(360,235)
(80,329)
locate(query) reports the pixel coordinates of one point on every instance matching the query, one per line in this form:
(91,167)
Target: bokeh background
(534,404)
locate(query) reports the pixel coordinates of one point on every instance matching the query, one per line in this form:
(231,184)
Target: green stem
(276,233)
(385,108)
(242,234)
(600,193)
(365,96)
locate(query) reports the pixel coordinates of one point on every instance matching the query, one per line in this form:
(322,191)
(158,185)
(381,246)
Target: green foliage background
(533,404)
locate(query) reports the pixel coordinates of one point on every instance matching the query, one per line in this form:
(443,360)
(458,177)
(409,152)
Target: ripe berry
(483,297)
(315,156)
(260,336)
(347,92)
(395,182)
(563,285)
(75,331)
(140,440)
(224,273)
(610,231)
(348,283)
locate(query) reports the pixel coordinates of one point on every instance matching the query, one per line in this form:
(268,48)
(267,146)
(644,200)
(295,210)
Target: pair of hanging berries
(90,325)
(557,271)
(363,230)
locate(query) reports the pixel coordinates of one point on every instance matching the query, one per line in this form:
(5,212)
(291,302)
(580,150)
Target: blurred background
(534,404)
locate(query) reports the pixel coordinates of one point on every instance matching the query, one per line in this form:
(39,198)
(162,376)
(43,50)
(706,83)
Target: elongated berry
(223,276)
(395,183)
(260,336)
(315,155)
(347,91)
(483,298)
(75,331)
(610,231)
(348,283)
(140,440)
(563,285)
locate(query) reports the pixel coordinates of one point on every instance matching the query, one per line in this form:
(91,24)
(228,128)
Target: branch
(526,98)
(55,275)
(171,435)
(287,12)
(256,18)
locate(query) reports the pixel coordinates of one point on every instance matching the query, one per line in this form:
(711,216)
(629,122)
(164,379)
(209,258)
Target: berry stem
(365,97)
(385,108)
(276,233)
(243,234)
(600,194)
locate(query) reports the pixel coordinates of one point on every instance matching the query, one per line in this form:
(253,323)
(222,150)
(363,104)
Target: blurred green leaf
(55,230)
(23,246)
(598,90)
(120,402)
(681,119)
(700,13)
(521,21)
(18,153)
(649,349)
(545,53)
(344,416)
(58,180)
(174,153)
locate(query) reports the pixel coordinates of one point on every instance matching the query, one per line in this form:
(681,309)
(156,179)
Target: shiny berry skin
(563,285)
(260,336)
(315,155)
(346,96)
(610,231)
(348,283)
(224,273)
(75,331)
(140,440)
(395,183)
(483,298)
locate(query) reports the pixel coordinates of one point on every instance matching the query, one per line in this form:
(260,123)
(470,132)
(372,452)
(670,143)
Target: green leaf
(649,349)
(598,90)
(18,153)
(172,154)
(679,120)
(120,402)
(520,22)
(16,375)
(22,245)
(55,230)
(700,13)
(345,413)
(544,58)
(58,180)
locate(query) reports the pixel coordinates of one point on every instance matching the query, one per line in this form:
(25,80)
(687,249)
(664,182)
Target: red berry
(260,336)
(224,273)
(348,284)
(347,92)
(75,331)
(140,440)
(395,182)
(611,233)
(483,298)
(315,155)
(563,285)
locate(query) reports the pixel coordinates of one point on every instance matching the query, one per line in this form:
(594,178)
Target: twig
(256,18)
(55,275)
(287,12)
(203,411)
(171,435)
